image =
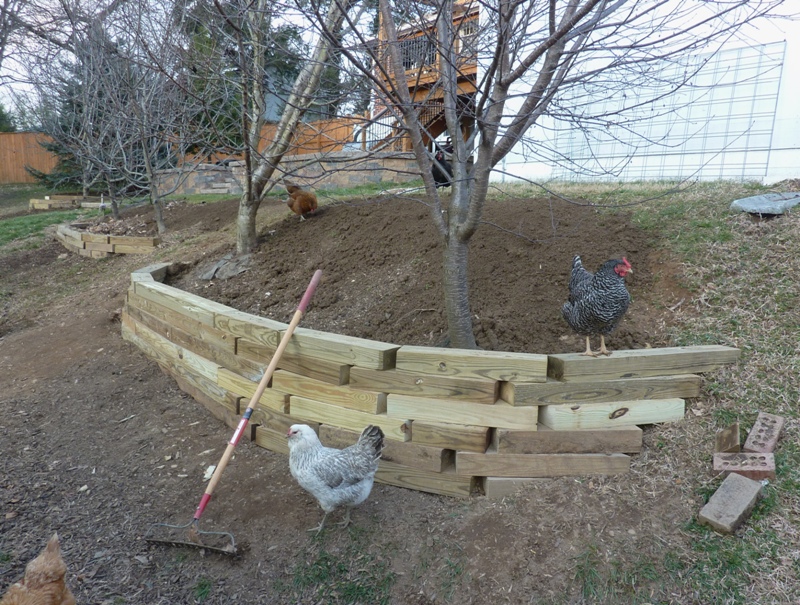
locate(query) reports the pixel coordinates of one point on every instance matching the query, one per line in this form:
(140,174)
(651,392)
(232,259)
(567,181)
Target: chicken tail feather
(373,437)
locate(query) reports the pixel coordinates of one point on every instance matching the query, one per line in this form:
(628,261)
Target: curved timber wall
(455,421)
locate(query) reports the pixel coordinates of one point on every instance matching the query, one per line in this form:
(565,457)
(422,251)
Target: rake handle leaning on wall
(262,385)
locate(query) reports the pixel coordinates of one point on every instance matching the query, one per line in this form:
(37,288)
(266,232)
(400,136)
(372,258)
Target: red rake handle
(262,385)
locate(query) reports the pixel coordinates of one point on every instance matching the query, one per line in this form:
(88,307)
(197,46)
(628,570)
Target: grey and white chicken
(334,477)
(597,301)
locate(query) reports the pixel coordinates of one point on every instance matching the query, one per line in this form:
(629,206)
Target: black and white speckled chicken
(597,301)
(334,477)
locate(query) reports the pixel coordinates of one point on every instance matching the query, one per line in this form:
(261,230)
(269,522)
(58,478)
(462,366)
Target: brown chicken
(300,201)
(43,583)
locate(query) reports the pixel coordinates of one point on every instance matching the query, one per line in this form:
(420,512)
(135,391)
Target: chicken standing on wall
(300,201)
(597,302)
(334,477)
(44,582)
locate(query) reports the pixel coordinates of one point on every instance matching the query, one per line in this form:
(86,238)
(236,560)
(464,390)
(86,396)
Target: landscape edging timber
(100,245)
(455,421)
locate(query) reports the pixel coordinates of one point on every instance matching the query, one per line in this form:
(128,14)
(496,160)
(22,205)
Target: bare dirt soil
(97,443)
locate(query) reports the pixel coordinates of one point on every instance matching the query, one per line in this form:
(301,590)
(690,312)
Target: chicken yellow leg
(603,350)
(588,352)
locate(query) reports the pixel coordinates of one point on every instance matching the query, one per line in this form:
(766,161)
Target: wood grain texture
(271,398)
(344,396)
(435,459)
(468,363)
(447,484)
(481,391)
(318,369)
(476,414)
(540,465)
(638,363)
(324,413)
(342,349)
(606,415)
(625,440)
(554,391)
(450,435)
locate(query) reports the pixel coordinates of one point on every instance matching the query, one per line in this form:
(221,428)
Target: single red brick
(763,437)
(753,466)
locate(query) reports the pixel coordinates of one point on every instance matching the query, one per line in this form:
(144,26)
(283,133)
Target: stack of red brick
(745,469)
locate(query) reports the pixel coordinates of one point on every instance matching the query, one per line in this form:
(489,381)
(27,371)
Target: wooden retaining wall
(455,421)
(100,245)
(64,202)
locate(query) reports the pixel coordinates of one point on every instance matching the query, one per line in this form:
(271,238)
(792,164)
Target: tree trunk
(246,237)
(456,294)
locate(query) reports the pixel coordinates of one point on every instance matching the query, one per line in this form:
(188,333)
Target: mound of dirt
(382,273)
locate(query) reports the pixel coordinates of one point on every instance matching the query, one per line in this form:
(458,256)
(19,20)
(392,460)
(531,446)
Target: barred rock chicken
(44,582)
(300,201)
(334,477)
(597,302)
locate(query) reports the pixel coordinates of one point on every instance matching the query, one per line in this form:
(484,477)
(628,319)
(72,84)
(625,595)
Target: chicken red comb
(627,264)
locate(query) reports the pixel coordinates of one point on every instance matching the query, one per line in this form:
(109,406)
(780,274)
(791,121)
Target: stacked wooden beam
(99,245)
(64,202)
(454,420)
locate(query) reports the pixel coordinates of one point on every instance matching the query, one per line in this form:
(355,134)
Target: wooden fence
(455,421)
(21,149)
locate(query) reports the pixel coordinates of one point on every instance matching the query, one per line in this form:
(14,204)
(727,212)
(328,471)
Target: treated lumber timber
(170,318)
(446,484)
(423,457)
(429,409)
(156,271)
(269,439)
(450,436)
(252,328)
(208,345)
(605,415)
(135,241)
(621,389)
(272,399)
(127,249)
(323,413)
(344,396)
(99,247)
(625,440)
(483,391)
(220,412)
(637,363)
(331,372)
(468,363)
(184,303)
(540,465)
(96,238)
(165,352)
(278,421)
(500,487)
(342,349)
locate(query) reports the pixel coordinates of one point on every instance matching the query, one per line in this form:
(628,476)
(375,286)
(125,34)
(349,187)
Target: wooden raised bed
(100,245)
(455,421)
(64,202)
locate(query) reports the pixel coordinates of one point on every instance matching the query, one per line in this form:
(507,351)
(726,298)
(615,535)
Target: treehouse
(422,63)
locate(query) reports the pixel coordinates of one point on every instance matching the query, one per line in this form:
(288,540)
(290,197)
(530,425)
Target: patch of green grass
(349,573)
(202,589)
(617,582)
(5,557)
(16,198)
(31,225)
